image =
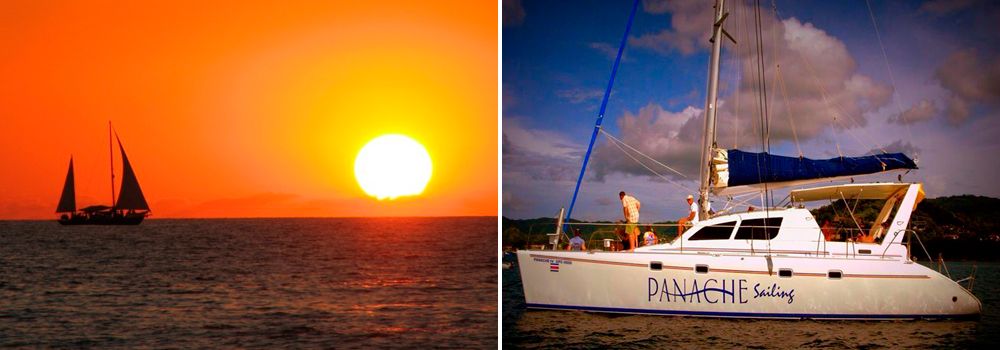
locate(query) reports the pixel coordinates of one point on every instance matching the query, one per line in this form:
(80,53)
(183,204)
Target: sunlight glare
(392,166)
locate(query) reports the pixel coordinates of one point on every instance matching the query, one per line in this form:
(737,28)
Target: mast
(111,154)
(604,105)
(711,100)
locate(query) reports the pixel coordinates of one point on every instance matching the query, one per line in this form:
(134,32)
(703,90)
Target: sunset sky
(253,110)
(939,105)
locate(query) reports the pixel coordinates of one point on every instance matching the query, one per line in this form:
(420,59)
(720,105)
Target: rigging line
(788,108)
(781,80)
(899,108)
(765,127)
(737,78)
(732,71)
(604,105)
(834,108)
(762,103)
(640,153)
(837,110)
(648,168)
(750,57)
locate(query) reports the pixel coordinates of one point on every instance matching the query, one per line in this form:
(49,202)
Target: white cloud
(819,89)
(578,95)
(513,13)
(919,112)
(689,32)
(970,80)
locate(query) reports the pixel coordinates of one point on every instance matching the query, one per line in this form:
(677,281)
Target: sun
(392,166)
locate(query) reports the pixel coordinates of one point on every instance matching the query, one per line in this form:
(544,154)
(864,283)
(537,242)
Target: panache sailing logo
(713,290)
(554,266)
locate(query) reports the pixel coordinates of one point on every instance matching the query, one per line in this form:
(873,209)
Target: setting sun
(391,166)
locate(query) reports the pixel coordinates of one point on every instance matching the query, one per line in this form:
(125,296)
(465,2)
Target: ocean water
(544,329)
(264,283)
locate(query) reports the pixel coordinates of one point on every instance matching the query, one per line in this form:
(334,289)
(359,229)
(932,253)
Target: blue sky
(942,105)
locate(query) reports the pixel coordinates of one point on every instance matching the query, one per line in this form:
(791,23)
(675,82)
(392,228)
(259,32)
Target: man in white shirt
(630,207)
(691,218)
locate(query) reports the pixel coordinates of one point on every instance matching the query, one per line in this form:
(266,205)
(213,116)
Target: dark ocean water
(266,283)
(543,329)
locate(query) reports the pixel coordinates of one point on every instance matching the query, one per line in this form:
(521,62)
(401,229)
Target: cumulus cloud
(539,154)
(819,88)
(657,7)
(688,34)
(513,203)
(578,95)
(672,138)
(919,112)
(605,49)
(513,13)
(898,146)
(970,80)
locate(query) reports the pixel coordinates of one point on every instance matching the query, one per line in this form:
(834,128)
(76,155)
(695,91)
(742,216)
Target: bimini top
(854,191)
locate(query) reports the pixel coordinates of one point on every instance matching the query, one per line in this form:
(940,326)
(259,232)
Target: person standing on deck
(691,218)
(630,207)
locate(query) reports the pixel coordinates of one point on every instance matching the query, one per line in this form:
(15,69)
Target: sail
(67,203)
(733,168)
(130,196)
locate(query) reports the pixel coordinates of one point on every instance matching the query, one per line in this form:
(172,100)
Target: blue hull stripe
(752,314)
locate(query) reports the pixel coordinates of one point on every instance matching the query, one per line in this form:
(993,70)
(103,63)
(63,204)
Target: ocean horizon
(251,282)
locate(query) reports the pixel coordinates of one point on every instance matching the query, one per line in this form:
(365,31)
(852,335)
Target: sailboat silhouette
(130,209)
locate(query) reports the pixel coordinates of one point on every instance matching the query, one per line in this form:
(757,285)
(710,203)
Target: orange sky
(246,110)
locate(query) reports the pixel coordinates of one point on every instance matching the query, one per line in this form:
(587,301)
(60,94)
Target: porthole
(701,268)
(655,265)
(834,275)
(785,273)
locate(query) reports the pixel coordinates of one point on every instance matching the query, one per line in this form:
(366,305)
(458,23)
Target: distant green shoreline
(278,217)
(963,227)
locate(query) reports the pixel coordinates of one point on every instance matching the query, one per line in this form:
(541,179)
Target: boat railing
(942,267)
(606,236)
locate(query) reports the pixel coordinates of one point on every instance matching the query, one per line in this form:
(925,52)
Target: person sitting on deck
(691,218)
(828,229)
(630,207)
(576,243)
(863,238)
(649,238)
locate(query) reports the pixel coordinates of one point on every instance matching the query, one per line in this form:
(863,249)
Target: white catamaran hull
(740,286)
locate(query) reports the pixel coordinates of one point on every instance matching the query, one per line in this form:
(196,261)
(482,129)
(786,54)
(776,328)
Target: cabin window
(655,265)
(718,231)
(785,273)
(834,274)
(701,268)
(864,251)
(759,228)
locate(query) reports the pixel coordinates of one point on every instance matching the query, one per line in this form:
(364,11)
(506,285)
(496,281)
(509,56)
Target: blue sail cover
(747,168)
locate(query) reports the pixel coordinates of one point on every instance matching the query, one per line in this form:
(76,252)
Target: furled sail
(732,168)
(130,197)
(67,203)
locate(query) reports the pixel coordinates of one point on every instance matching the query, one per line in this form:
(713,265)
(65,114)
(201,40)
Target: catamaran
(769,262)
(129,209)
